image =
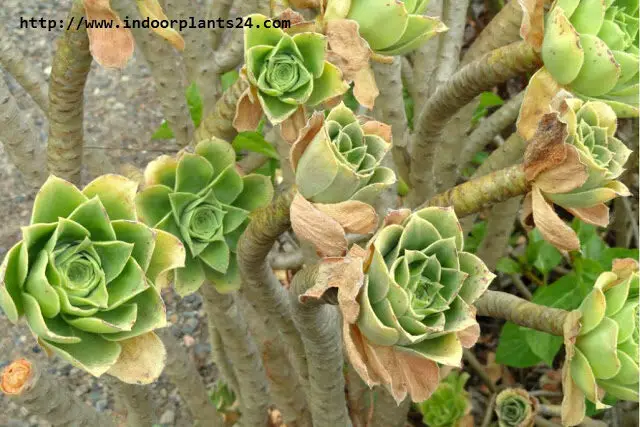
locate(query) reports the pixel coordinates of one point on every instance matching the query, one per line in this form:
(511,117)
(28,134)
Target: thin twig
(475,364)
(488,415)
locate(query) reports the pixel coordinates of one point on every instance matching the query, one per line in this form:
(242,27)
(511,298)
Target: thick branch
(500,225)
(168,77)
(502,305)
(424,65)
(43,395)
(20,140)
(318,324)
(14,62)
(69,71)
(222,362)
(198,55)
(182,372)
(242,350)
(455,17)
(261,288)
(477,194)
(483,74)
(288,395)
(389,108)
(503,29)
(135,400)
(220,122)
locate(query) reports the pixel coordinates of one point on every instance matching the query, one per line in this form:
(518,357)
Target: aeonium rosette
(602,353)
(591,48)
(576,169)
(407,301)
(284,72)
(202,199)
(516,408)
(338,174)
(86,277)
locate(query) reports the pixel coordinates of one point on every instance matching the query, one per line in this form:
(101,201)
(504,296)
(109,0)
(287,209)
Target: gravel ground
(121,114)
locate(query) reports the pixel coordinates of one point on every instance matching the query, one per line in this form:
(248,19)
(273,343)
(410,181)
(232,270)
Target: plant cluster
(403,308)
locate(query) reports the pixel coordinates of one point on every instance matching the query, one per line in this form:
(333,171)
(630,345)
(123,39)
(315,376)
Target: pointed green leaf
(54,329)
(93,216)
(219,154)
(142,237)
(257,192)
(216,256)
(228,185)
(225,283)
(127,285)
(117,195)
(107,322)
(56,198)
(329,85)
(168,254)
(194,173)
(445,349)
(13,272)
(94,354)
(190,278)
(152,314)
(153,204)
(113,257)
(259,33)
(39,287)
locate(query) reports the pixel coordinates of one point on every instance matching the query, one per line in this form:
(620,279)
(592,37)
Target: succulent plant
(287,71)
(339,158)
(86,275)
(592,126)
(390,28)
(420,287)
(591,47)
(515,408)
(574,166)
(222,396)
(202,199)
(449,404)
(603,357)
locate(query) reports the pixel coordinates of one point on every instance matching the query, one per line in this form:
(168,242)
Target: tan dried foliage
(313,225)
(553,229)
(532,27)
(540,92)
(290,128)
(305,136)
(110,47)
(354,216)
(564,177)
(141,361)
(248,112)
(546,149)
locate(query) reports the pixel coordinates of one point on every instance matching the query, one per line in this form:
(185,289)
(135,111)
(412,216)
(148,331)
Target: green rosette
(85,275)
(390,28)
(202,199)
(288,71)
(448,405)
(591,47)
(420,287)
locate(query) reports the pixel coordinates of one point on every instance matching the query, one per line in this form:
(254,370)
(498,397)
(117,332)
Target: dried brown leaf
(365,88)
(532,27)
(355,349)
(248,112)
(345,274)
(305,4)
(547,148)
(469,336)
(373,127)
(396,216)
(354,216)
(305,136)
(567,176)
(597,215)
(347,50)
(553,229)
(311,224)
(540,92)
(291,127)
(110,47)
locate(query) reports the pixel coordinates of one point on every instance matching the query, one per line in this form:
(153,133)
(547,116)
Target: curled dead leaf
(110,47)
(374,127)
(291,127)
(354,216)
(153,10)
(248,112)
(532,27)
(305,136)
(540,92)
(553,229)
(624,267)
(396,216)
(311,224)
(365,88)
(561,178)
(345,274)
(141,361)
(597,215)
(469,336)
(546,149)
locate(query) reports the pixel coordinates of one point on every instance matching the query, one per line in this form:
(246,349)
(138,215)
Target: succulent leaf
(515,408)
(449,404)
